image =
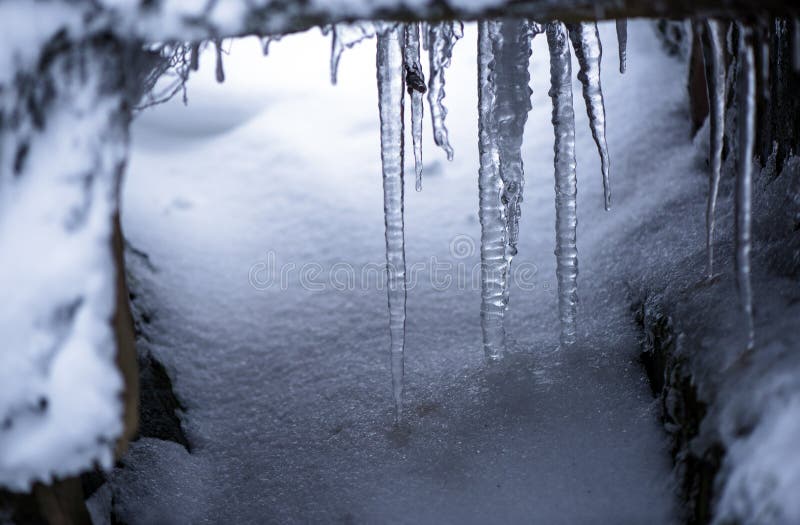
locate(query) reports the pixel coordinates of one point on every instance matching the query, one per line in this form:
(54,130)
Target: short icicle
(390,98)
(566,185)
(713,36)
(415,83)
(220,71)
(512,53)
(491,209)
(442,36)
(746,122)
(589,52)
(344,36)
(622,43)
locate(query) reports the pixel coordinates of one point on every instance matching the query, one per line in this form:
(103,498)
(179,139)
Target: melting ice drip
(504,52)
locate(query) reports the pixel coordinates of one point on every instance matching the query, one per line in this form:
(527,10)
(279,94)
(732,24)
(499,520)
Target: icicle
(566,182)
(512,52)
(589,51)
(415,81)
(746,122)
(762,38)
(442,37)
(194,60)
(622,42)
(220,71)
(491,209)
(344,36)
(714,57)
(390,97)
(336,53)
(266,41)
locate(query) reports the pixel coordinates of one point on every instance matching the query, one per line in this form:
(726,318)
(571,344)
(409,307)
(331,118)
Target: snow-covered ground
(287,387)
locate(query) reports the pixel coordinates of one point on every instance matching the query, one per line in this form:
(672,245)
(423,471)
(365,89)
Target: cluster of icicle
(713,35)
(504,52)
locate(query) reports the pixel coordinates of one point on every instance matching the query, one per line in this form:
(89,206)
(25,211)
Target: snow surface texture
(60,407)
(287,387)
(754,397)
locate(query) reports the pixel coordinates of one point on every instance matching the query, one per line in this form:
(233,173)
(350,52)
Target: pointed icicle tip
(589,52)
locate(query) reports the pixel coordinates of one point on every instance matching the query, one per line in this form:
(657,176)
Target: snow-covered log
(63,147)
(165,20)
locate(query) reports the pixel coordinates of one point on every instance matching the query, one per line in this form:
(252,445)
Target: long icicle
(566,180)
(589,52)
(713,35)
(622,43)
(442,37)
(746,122)
(415,82)
(512,52)
(391,101)
(491,209)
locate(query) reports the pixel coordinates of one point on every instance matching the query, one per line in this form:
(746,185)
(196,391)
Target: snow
(288,387)
(60,408)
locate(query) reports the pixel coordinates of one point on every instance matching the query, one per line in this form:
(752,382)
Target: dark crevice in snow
(682,411)
(159,406)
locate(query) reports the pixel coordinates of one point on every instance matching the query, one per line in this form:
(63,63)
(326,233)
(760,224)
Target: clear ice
(391,101)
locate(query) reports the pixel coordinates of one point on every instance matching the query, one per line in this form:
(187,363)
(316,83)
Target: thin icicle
(746,122)
(589,51)
(622,42)
(491,209)
(415,82)
(220,72)
(344,36)
(762,39)
(713,35)
(442,37)
(267,40)
(194,58)
(512,52)
(391,101)
(566,181)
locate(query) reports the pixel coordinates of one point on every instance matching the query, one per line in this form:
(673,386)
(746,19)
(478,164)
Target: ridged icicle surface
(415,83)
(442,36)
(491,210)
(566,184)
(391,99)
